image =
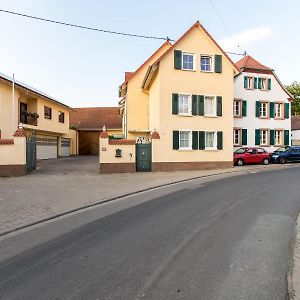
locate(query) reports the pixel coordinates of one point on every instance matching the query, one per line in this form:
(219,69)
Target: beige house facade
(180,102)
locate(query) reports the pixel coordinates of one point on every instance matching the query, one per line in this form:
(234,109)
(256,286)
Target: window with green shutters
(219,140)
(272,109)
(218,63)
(175,104)
(245,82)
(177,59)
(195,140)
(286,110)
(201,105)
(255,82)
(201,140)
(257,109)
(269,84)
(272,137)
(244,137)
(219,106)
(244,108)
(194,105)
(286,137)
(259,83)
(257,136)
(175,140)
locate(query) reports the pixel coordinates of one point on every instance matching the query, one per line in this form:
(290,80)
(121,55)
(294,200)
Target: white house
(296,130)
(261,107)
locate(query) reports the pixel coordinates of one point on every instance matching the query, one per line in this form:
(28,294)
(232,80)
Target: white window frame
(211,63)
(280,135)
(239,108)
(214,114)
(266,137)
(214,147)
(189,113)
(238,131)
(264,84)
(250,83)
(194,61)
(276,106)
(189,147)
(267,104)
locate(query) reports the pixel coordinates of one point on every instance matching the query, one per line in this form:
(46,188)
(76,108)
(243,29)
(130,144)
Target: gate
(143,157)
(31,153)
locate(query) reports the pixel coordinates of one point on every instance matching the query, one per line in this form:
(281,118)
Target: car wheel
(282,160)
(240,162)
(266,161)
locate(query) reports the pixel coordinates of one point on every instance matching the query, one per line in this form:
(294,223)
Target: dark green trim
(195,140)
(177,59)
(272,137)
(200,105)
(175,140)
(194,105)
(272,109)
(218,63)
(244,137)
(244,108)
(175,104)
(220,140)
(219,106)
(257,137)
(201,140)
(286,137)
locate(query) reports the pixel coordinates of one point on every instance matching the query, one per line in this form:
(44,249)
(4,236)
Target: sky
(84,68)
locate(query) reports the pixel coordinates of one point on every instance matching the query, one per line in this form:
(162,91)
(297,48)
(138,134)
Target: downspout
(13,103)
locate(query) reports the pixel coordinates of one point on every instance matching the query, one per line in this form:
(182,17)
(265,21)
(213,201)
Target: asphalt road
(206,239)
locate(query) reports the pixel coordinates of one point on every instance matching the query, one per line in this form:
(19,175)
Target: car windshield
(282,149)
(240,151)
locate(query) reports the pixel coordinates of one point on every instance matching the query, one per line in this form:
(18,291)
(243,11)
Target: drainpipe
(13,103)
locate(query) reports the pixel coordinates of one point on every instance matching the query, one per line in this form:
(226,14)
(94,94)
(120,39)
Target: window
(264,137)
(209,106)
(260,151)
(185,140)
(188,61)
(250,83)
(278,110)
(61,117)
(263,112)
(277,137)
(237,108)
(236,136)
(47,112)
(206,63)
(263,84)
(210,140)
(184,104)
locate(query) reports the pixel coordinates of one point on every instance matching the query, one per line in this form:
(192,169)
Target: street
(212,238)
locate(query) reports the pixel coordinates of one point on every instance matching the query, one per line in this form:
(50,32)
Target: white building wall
(250,122)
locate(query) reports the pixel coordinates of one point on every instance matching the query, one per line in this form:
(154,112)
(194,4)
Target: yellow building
(38,113)
(184,92)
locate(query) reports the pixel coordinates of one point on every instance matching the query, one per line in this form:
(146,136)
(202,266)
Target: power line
(83,27)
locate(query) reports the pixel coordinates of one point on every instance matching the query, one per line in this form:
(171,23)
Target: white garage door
(46,147)
(65,147)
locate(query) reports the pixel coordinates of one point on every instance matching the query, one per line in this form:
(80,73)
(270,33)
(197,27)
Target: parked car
(253,155)
(286,154)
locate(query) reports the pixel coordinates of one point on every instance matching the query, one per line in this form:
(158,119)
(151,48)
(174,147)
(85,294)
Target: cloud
(240,41)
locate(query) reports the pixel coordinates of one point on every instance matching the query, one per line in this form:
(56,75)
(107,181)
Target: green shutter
(219,106)
(201,105)
(195,140)
(257,109)
(286,110)
(244,137)
(244,108)
(245,82)
(220,140)
(175,140)
(218,63)
(177,59)
(272,109)
(255,82)
(286,137)
(259,83)
(269,84)
(257,136)
(201,140)
(272,137)
(175,104)
(194,105)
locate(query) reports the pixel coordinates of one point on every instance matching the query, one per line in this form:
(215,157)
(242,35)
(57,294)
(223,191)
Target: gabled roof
(129,75)
(94,118)
(31,89)
(295,122)
(199,25)
(248,62)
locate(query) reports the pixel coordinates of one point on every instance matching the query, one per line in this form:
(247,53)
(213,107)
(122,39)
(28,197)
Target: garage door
(46,147)
(65,147)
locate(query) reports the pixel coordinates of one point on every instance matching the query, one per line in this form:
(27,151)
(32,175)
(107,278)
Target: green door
(143,157)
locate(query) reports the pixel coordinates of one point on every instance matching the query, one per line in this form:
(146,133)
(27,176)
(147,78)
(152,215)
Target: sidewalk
(29,199)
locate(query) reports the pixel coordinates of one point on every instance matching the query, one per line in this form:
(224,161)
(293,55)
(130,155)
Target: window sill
(185,149)
(185,115)
(210,116)
(206,71)
(210,149)
(188,70)
(279,118)
(238,117)
(264,118)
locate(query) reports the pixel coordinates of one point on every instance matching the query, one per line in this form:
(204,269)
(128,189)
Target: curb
(67,212)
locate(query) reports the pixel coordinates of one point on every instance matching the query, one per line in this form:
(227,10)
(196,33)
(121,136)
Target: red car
(251,155)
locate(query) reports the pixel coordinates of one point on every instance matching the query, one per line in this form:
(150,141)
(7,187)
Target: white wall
(250,122)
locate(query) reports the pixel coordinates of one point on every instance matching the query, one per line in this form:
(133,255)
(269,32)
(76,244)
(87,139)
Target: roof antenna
(245,53)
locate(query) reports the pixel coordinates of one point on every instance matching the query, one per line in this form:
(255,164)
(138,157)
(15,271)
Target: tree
(294,89)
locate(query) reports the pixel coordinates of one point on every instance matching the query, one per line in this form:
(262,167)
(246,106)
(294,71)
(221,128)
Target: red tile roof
(122,142)
(94,118)
(155,135)
(6,142)
(295,122)
(20,133)
(104,135)
(248,62)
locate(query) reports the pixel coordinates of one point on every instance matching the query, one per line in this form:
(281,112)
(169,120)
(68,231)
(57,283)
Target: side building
(261,107)
(182,97)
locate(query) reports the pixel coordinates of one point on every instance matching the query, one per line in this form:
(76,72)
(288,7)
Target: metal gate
(143,157)
(31,153)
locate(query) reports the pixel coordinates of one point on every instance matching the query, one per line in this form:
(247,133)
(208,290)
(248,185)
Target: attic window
(188,61)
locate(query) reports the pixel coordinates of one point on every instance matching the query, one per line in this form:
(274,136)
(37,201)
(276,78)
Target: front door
(143,157)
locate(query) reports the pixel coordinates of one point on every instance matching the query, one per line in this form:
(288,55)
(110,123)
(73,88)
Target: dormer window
(188,61)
